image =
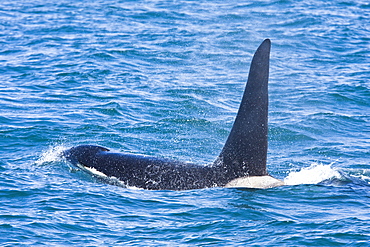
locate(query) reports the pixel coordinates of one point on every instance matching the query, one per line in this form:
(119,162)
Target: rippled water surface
(165,78)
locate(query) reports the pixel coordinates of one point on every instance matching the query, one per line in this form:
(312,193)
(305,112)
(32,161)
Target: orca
(241,163)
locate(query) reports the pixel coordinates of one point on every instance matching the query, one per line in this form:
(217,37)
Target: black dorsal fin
(245,151)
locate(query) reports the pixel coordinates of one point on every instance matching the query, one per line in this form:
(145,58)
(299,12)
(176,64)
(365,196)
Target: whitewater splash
(51,155)
(313,174)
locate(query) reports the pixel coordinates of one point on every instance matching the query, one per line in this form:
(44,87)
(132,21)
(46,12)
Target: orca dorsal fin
(245,151)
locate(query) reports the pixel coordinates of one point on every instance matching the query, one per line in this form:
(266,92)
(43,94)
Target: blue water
(165,78)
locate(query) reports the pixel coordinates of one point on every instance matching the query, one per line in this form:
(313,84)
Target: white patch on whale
(255,182)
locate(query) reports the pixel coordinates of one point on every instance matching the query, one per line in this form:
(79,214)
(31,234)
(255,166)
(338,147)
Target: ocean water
(165,78)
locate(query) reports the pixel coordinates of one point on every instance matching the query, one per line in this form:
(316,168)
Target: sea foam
(313,174)
(51,155)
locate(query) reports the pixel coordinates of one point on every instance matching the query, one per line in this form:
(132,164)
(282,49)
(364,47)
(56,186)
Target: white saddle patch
(256,182)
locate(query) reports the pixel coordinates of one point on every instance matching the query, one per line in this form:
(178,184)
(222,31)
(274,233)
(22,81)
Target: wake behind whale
(241,163)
